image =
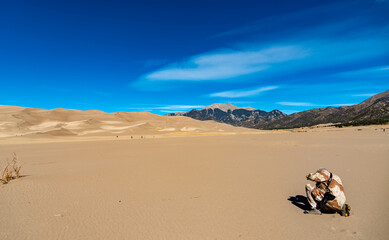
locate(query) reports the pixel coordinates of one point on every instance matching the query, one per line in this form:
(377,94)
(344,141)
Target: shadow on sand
(300,202)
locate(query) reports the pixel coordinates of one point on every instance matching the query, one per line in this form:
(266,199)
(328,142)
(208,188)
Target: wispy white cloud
(381,71)
(279,21)
(179,107)
(307,104)
(341,104)
(167,108)
(299,104)
(364,95)
(169,111)
(225,64)
(243,92)
(310,51)
(279,60)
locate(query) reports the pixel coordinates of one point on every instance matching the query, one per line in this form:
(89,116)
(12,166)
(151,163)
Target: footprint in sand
(346,231)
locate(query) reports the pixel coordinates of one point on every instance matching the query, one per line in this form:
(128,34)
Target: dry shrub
(15,166)
(10,169)
(6,175)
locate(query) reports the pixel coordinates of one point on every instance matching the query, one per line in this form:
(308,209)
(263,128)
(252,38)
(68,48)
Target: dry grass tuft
(10,169)
(6,176)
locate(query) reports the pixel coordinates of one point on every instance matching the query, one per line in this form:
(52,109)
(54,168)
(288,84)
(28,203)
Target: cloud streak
(298,104)
(307,104)
(167,107)
(226,64)
(307,58)
(180,107)
(267,24)
(364,95)
(381,71)
(242,92)
(298,51)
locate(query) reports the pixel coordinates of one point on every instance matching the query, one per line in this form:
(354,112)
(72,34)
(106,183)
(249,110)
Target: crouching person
(327,194)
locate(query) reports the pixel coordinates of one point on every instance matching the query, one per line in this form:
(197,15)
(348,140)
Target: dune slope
(210,187)
(21,121)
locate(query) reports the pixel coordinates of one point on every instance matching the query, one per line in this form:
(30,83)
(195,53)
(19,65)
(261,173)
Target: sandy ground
(194,187)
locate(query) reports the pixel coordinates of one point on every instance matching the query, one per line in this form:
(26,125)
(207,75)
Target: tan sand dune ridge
(30,122)
(78,185)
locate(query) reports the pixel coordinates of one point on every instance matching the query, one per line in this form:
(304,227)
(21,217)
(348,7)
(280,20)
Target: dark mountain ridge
(371,111)
(374,109)
(228,113)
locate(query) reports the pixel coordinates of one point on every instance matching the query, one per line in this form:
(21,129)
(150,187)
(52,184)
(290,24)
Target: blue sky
(167,56)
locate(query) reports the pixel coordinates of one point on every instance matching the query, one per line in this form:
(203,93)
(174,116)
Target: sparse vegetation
(11,170)
(363,123)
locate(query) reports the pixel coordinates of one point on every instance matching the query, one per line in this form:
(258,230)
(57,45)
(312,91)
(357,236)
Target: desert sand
(190,184)
(35,123)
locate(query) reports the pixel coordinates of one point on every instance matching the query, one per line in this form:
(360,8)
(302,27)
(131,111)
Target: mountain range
(228,113)
(22,121)
(372,110)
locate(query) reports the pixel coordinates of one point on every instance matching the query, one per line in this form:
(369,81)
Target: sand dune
(20,121)
(81,182)
(208,187)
